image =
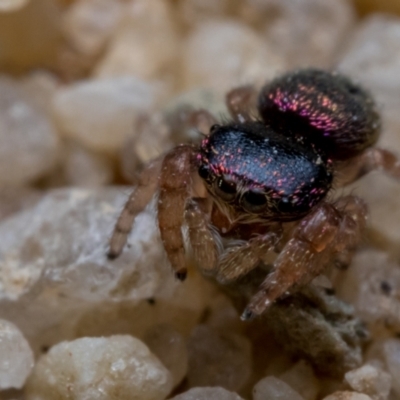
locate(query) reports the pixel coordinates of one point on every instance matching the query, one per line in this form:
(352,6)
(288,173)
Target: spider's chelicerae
(266,176)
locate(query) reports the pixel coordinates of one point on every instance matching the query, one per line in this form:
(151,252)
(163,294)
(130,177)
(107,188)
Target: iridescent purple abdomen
(326,108)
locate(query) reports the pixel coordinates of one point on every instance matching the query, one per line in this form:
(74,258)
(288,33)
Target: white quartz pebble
(272,388)
(101,113)
(391,351)
(221,54)
(119,367)
(16,357)
(208,393)
(370,380)
(28,139)
(347,396)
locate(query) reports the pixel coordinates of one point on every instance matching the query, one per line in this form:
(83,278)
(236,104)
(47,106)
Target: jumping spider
(267,175)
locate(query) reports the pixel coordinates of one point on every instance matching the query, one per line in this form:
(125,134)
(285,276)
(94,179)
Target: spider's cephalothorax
(271,169)
(256,174)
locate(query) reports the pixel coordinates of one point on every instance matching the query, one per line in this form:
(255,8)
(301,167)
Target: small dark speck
(386,288)
(151,301)
(330,291)
(128,245)
(44,348)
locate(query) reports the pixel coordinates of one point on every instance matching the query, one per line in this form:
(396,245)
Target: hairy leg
(174,191)
(203,242)
(316,241)
(190,120)
(239,261)
(241,103)
(137,202)
(370,160)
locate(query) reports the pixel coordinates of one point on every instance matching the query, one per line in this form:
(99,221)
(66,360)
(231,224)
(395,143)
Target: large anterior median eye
(254,201)
(225,188)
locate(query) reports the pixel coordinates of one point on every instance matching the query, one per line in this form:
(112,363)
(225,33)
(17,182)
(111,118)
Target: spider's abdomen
(323,107)
(256,161)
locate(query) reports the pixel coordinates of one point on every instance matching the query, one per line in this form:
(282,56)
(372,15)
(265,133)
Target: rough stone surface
(371,60)
(16,198)
(40,87)
(391,352)
(136,49)
(347,396)
(301,378)
(198,11)
(371,285)
(56,281)
(101,113)
(208,393)
(28,140)
(370,380)
(370,56)
(272,388)
(119,367)
(170,348)
(16,357)
(222,54)
(218,359)
(63,242)
(89,24)
(300,36)
(85,168)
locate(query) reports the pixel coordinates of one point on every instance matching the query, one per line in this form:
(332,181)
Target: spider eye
(254,201)
(285,205)
(204,172)
(225,188)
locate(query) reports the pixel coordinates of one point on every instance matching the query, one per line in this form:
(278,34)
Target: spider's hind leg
(371,159)
(242,103)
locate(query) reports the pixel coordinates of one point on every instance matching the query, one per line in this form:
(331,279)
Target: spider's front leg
(324,233)
(137,202)
(175,206)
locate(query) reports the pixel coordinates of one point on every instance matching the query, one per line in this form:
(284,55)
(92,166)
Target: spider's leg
(321,235)
(239,261)
(203,241)
(241,103)
(175,185)
(137,202)
(371,159)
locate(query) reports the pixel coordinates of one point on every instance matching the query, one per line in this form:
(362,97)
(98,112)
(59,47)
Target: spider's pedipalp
(240,260)
(202,239)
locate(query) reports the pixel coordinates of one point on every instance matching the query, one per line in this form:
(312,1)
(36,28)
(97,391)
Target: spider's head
(254,173)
